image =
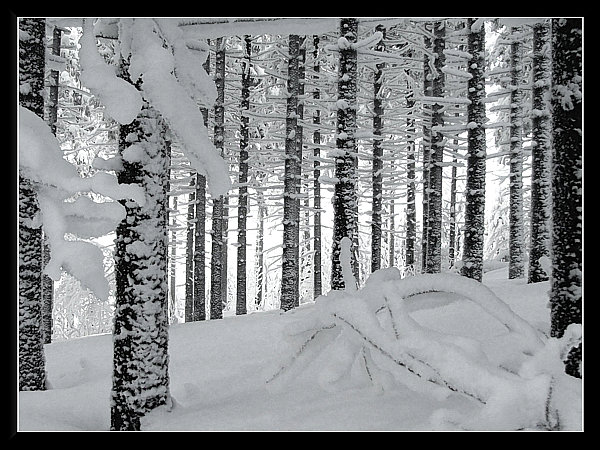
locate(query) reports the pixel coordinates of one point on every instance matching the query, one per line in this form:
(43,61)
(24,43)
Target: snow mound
(369,338)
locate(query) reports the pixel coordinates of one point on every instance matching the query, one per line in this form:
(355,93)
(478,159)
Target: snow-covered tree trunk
(199,271)
(240,304)
(452,215)
(260,266)
(476,156)
(140,381)
(290,272)
(426,146)
(345,198)
(541,152)
(317,269)
(47,282)
(377,167)
(411,212)
(434,235)
(31,359)
(516,264)
(566,279)
(189,255)
(173,261)
(218,276)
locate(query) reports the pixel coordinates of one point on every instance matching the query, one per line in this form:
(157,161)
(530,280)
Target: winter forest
(299,224)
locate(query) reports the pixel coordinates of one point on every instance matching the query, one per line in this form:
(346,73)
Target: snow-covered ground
(219,370)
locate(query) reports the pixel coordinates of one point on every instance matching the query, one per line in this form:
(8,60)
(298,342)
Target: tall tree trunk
(140,379)
(476,157)
(377,168)
(411,212)
(304,255)
(260,266)
(345,198)
(541,155)
(426,143)
(452,215)
(173,265)
(31,359)
(516,264)
(317,269)
(217,274)
(189,255)
(240,305)
(199,273)
(47,282)
(566,287)
(434,235)
(392,220)
(290,274)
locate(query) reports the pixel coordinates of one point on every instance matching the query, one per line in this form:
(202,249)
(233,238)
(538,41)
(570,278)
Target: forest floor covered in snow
(219,371)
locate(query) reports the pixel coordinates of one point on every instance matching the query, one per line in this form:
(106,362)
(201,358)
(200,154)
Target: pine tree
(291,204)
(377,168)
(434,219)
(32,373)
(218,275)
(189,253)
(476,156)
(140,380)
(411,212)
(317,270)
(426,152)
(516,265)
(566,280)
(345,197)
(240,307)
(541,183)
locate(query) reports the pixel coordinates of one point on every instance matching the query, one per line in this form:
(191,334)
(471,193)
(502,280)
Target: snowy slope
(218,371)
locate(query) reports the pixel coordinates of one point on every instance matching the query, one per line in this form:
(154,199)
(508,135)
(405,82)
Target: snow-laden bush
(369,338)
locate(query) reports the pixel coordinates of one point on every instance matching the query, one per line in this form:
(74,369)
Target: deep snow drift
(474,367)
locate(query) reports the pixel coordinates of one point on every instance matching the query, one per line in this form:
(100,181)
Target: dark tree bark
(290,274)
(541,154)
(240,305)
(476,157)
(31,358)
(377,168)
(411,211)
(426,145)
(345,198)
(47,282)
(173,261)
(317,271)
(140,380)
(199,271)
(516,264)
(566,284)
(218,276)
(189,255)
(434,235)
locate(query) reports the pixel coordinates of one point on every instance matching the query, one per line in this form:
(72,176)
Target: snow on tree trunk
(240,304)
(476,157)
(516,265)
(218,275)
(541,183)
(377,167)
(452,215)
(260,266)
(173,263)
(140,381)
(566,279)
(434,235)
(189,256)
(290,272)
(426,144)
(47,282)
(200,250)
(411,212)
(345,198)
(317,274)
(31,359)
